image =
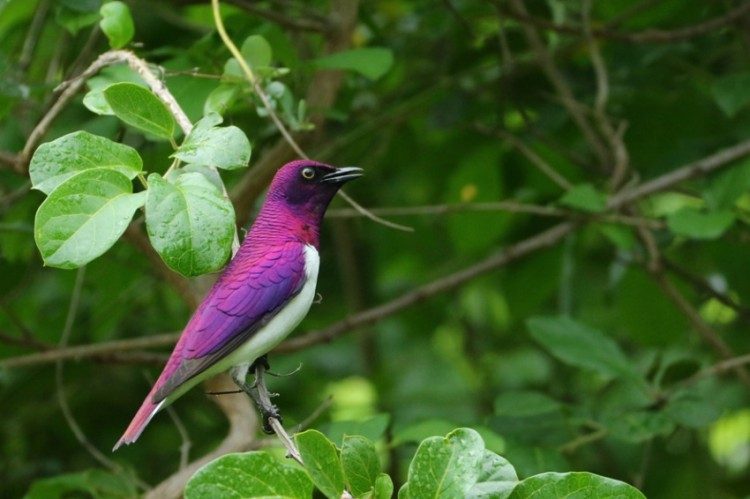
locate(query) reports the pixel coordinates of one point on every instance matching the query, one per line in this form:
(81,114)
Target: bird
(261,296)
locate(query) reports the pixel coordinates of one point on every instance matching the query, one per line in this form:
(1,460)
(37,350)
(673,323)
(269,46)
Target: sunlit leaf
(574,485)
(222,147)
(497,478)
(56,161)
(446,466)
(360,463)
(190,223)
(252,474)
(84,217)
(322,461)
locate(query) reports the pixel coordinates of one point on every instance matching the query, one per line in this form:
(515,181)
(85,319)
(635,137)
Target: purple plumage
(262,294)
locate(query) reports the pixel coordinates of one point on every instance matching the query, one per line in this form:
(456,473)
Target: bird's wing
(245,298)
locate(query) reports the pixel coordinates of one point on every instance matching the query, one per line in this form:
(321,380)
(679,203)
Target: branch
(705,331)
(243,425)
(700,167)
(305,23)
(135,236)
(506,206)
(705,287)
(704,165)
(561,86)
(647,36)
(613,136)
(87,351)
(544,239)
(536,160)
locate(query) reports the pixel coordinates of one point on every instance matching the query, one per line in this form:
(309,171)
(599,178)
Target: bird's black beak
(343,174)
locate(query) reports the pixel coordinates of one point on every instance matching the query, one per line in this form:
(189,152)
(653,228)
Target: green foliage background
(615,343)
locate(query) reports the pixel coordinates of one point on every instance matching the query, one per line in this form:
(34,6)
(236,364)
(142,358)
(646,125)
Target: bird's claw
(267,413)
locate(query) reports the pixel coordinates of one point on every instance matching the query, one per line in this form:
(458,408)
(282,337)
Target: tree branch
(545,61)
(243,425)
(544,239)
(647,36)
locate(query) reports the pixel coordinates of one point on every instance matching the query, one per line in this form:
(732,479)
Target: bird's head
(298,197)
(308,186)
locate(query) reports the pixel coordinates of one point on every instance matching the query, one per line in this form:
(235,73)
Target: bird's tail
(141,419)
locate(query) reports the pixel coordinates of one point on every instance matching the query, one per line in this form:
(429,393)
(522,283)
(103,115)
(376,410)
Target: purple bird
(264,292)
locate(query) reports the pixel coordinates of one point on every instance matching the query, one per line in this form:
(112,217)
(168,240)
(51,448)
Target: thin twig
(536,160)
(286,440)
(253,79)
(704,287)
(718,368)
(79,352)
(581,440)
(618,151)
(544,239)
(255,83)
(505,206)
(372,216)
(545,61)
(705,165)
(706,332)
(700,167)
(305,23)
(60,388)
(646,36)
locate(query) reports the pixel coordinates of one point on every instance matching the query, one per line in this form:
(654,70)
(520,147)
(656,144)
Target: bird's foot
(259,392)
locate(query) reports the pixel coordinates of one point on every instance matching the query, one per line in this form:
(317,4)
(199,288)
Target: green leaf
(524,403)
(730,92)
(496,479)
(84,217)
(222,147)
(371,62)
(94,99)
(416,432)
(693,411)
(618,235)
(727,187)
(117,24)
(73,16)
(190,223)
(446,467)
(251,474)
(54,162)
(221,98)
(638,425)
(94,483)
(579,345)
(695,224)
(575,485)
(586,198)
(361,464)
(383,487)
(372,428)
(256,51)
(140,108)
(322,462)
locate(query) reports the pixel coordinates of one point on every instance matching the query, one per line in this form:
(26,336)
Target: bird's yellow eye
(308,173)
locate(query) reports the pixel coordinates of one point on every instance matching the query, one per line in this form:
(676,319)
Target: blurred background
(573,281)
